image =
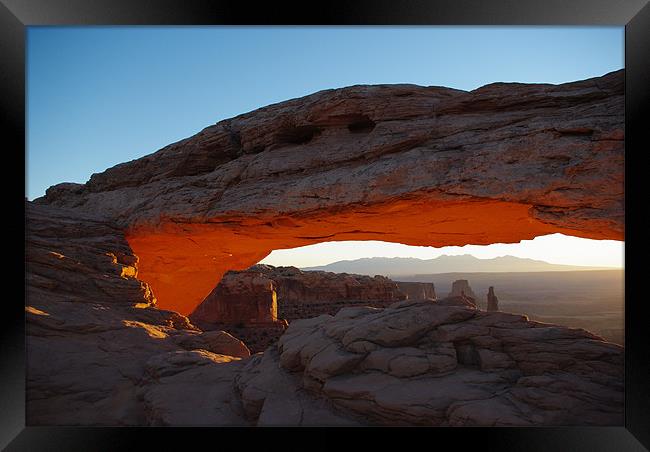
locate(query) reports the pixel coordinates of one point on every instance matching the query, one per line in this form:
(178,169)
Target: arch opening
(183,262)
(558,279)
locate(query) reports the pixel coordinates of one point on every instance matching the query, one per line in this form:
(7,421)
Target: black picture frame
(16,15)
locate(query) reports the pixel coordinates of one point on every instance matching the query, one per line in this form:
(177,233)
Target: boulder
(219,342)
(437,365)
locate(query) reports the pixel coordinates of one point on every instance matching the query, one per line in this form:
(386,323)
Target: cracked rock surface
(93,329)
(420,363)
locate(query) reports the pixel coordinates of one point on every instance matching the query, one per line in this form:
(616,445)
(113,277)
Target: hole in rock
(184,262)
(297,134)
(544,279)
(362,124)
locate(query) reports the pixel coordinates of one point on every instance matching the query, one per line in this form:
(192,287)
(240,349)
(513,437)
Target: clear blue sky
(99,96)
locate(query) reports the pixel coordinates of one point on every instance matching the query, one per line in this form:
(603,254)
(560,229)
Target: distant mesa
(258,303)
(417,290)
(245,305)
(462,293)
(255,303)
(461,288)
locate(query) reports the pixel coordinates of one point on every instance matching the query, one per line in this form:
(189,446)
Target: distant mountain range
(394,266)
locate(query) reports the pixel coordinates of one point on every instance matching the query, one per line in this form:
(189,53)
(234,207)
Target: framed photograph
(362,216)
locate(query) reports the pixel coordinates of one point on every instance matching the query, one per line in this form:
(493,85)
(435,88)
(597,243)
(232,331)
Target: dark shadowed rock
(426,364)
(417,290)
(245,298)
(457,300)
(461,288)
(492,300)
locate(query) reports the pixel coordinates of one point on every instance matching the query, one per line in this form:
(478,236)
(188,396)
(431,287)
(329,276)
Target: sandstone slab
(92,327)
(474,369)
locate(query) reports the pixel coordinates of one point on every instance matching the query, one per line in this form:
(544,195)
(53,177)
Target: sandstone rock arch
(416,165)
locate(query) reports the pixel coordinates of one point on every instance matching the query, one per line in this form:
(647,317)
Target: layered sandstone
(305,294)
(298,294)
(297,286)
(255,304)
(403,163)
(246,298)
(422,363)
(92,326)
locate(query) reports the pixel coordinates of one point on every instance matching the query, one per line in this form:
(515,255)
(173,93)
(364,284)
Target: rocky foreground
(256,304)
(418,363)
(100,353)
(92,326)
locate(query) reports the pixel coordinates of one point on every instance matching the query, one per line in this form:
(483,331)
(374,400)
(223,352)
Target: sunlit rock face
(417,165)
(433,363)
(92,326)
